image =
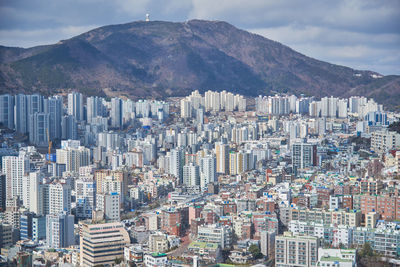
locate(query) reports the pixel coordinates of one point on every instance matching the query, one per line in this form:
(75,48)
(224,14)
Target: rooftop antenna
(147,17)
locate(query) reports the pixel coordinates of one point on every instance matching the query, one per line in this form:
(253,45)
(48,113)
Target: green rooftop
(156,255)
(203,245)
(335,259)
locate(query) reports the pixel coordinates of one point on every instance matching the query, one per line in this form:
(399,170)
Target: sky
(362,34)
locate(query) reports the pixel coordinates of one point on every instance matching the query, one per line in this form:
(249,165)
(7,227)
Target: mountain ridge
(160,59)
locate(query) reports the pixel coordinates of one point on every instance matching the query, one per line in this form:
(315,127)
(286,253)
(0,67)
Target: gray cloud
(363,34)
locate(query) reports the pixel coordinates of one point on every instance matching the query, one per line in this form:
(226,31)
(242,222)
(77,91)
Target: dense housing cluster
(205,179)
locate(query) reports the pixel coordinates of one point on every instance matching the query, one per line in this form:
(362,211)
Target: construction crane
(50,144)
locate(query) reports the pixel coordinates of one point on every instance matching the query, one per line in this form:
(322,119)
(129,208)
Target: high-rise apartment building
(73,157)
(75,105)
(222,154)
(94,108)
(186,109)
(191,175)
(21,113)
(39,128)
(53,106)
(208,170)
(59,198)
(116,112)
(7,111)
(177,160)
(304,155)
(60,230)
(14,167)
(85,197)
(69,127)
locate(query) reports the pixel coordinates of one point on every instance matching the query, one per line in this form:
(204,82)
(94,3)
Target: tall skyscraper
(39,127)
(75,105)
(53,107)
(116,112)
(94,108)
(21,113)
(208,170)
(7,111)
(177,160)
(34,105)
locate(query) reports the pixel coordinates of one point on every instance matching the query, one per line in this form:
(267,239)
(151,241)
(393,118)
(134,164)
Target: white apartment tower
(75,105)
(59,198)
(14,167)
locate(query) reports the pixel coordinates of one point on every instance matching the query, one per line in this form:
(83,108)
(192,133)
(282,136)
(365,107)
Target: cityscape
(198,133)
(200,180)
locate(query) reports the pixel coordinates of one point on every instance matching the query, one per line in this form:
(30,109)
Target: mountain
(161,59)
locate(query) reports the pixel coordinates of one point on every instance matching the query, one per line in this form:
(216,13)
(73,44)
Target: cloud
(379,52)
(29,38)
(358,33)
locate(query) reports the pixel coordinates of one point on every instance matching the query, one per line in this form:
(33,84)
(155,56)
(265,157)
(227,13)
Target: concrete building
(102,244)
(155,260)
(75,105)
(370,219)
(191,175)
(7,111)
(267,243)
(384,140)
(14,167)
(116,112)
(208,171)
(158,243)
(60,230)
(85,190)
(337,257)
(304,155)
(177,161)
(291,250)
(222,155)
(215,233)
(38,228)
(109,203)
(6,235)
(186,109)
(59,198)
